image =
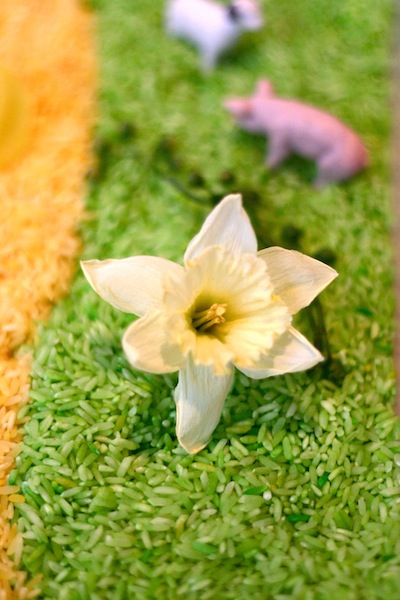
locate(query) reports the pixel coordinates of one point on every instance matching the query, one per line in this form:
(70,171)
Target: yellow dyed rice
(48,46)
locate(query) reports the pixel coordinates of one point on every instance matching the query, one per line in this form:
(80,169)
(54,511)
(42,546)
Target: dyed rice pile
(297,496)
(48,45)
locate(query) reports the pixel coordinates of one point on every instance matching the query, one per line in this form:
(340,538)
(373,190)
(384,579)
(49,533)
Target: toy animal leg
(208,60)
(278,151)
(331,169)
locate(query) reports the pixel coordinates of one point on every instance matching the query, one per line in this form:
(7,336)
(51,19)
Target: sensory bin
(297,495)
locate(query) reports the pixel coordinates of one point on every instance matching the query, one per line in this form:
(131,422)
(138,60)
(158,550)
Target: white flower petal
(227,225)
(148,348)
(199,397)
(297,279)
(291,352)
(133,284)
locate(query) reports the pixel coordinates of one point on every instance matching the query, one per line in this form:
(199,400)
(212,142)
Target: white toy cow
(296,128)
(211,27)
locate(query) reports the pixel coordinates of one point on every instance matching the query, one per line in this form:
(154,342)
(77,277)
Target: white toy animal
(211,27)
(296,128)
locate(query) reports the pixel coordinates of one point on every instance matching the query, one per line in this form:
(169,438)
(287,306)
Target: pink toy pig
(296,128)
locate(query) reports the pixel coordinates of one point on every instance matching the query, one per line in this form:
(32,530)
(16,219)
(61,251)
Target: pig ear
(238,107)
(265,88)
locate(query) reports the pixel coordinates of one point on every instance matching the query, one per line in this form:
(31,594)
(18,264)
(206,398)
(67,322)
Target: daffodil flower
(228,306)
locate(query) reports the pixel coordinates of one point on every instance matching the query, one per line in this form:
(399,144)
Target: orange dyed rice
(48,45)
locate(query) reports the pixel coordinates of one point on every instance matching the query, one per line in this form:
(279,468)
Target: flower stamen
(204,319)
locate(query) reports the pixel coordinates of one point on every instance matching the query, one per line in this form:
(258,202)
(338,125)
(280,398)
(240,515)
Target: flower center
(202,320)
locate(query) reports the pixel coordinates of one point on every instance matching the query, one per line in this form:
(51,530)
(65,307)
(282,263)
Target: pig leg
(331,168)
(278,150)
